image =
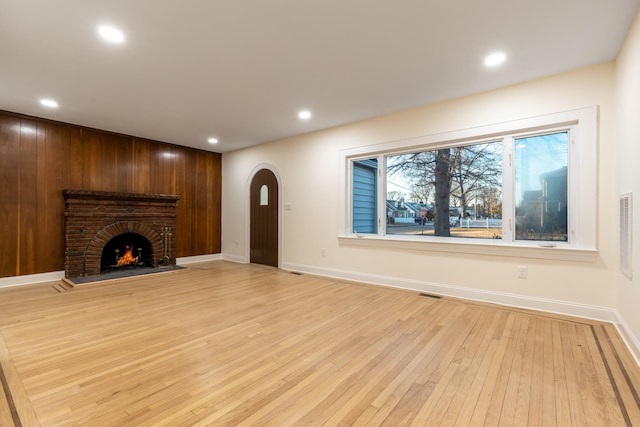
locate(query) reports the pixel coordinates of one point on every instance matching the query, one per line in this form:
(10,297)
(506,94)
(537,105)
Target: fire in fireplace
(128,258)
(127,250)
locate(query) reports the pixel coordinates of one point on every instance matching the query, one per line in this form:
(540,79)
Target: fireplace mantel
(92,218)
(108,195)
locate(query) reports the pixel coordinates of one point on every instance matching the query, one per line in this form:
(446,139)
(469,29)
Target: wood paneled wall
(39,158)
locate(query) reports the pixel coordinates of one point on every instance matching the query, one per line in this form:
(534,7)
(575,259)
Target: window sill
(475,247)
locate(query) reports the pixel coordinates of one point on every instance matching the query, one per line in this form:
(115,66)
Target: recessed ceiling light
(111,34)
(50,103)
(304,115)
(495,59)
(213,140)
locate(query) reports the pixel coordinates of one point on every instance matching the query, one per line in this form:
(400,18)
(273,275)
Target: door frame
(247,207)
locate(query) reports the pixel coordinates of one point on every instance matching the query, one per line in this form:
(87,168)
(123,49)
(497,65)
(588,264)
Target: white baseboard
(628,336)
(197,258)
(511,300)
(30,279)
(234,258)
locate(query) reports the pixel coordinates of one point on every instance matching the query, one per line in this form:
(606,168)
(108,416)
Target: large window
(527,183)
(448,191)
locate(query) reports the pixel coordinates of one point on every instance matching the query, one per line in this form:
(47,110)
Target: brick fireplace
(96,221)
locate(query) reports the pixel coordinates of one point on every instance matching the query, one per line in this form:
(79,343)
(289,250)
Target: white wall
(628,104)
(308,165)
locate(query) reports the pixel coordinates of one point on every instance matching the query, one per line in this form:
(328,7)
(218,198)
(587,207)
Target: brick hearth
(92,218)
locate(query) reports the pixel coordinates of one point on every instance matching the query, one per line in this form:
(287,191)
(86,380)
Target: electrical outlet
(522,272)
(323,252)
(237,245)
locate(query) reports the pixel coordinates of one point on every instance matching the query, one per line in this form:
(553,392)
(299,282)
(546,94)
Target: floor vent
(430,296)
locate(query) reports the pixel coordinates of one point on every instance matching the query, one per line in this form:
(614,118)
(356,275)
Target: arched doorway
(263,222)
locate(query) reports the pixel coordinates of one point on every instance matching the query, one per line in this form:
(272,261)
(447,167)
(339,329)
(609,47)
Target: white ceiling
(240,70)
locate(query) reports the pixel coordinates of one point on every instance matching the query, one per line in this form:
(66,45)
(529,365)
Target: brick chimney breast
(93,218)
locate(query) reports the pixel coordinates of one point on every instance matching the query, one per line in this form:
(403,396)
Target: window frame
(581,191)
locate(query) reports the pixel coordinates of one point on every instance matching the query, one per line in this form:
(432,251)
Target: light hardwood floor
(228,344)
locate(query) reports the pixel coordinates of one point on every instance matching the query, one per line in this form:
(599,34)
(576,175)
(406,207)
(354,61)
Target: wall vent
(626,233)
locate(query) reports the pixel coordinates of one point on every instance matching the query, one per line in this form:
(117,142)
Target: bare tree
(395,195)
(421,193)
(476,169)
(443,192)
(459,173)
(491,201)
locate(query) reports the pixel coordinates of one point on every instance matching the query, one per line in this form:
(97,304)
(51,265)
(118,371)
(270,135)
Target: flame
(128,258)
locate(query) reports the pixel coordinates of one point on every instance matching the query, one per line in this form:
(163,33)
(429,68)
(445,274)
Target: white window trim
(582,195)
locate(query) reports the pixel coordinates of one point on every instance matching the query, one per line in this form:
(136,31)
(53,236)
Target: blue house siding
(365,185)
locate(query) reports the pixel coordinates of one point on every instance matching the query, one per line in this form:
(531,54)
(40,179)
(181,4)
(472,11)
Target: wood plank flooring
(224,344)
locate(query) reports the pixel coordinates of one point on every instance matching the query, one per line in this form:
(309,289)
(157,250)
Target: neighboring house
(528,213)
(416,209)
(398,211)
(545,210)
(553,209)
(365,186)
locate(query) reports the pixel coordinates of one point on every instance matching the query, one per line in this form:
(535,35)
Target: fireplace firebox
(126,251)
(106,231)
